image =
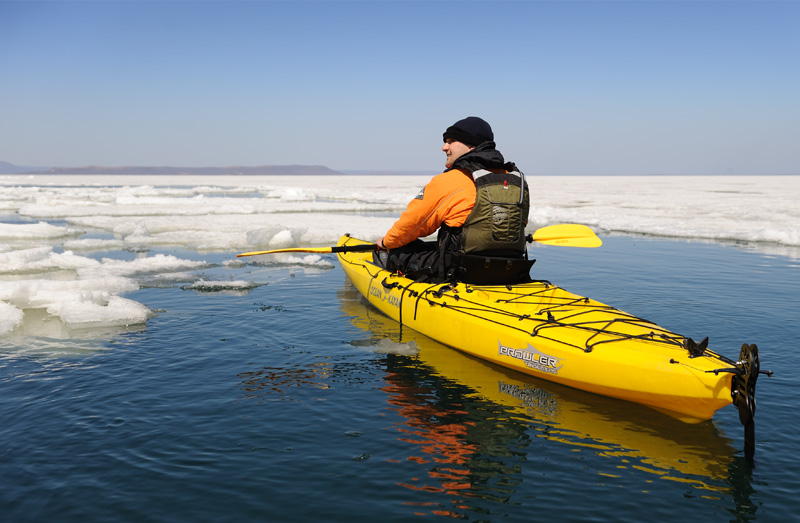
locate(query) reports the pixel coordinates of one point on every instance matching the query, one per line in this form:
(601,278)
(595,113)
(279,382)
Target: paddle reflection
(467,417)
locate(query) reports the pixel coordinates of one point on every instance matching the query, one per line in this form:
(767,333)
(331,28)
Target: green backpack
(496,225)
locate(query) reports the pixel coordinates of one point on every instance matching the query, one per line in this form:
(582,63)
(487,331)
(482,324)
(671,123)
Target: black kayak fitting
(695,349)
(743,392)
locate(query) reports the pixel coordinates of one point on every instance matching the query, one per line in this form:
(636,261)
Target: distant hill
(235,170)
(429,172)
(259,170)
(10,168)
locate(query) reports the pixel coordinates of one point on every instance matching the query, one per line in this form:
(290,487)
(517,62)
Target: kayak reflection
(458,429)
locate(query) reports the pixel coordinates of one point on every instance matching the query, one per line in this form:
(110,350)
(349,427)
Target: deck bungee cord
(466,306)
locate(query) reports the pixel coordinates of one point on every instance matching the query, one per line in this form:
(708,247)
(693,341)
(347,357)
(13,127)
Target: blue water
(274,405)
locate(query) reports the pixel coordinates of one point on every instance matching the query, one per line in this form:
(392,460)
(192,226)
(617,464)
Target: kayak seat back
(492,270)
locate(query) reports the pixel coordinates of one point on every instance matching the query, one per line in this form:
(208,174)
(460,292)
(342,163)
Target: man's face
(454,150)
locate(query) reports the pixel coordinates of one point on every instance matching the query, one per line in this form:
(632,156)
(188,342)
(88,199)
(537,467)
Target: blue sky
(570,87)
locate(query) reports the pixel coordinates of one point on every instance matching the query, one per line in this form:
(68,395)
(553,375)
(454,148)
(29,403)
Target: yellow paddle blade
(567,235)
(320,250)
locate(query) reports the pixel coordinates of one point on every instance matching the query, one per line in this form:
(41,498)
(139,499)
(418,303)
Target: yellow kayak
(652,443)
(542,330)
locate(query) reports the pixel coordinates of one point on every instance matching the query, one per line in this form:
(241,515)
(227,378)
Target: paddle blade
(567,235)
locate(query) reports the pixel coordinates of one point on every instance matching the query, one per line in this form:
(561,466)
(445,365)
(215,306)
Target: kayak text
(532,358)
(392,300)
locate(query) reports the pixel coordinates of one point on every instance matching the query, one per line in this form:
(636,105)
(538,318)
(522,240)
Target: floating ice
(217,286)
(40,259)
(308,260)
(94,245)
(10,317)
(42,294)
(273,237)
(35,231)
(387,346)
(115,312)
(86,296)
(48,265)
(78,303)
(159,263)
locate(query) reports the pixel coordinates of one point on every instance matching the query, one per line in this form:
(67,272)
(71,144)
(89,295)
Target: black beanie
(471,131)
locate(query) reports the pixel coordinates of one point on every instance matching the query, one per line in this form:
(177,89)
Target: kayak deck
(545,331)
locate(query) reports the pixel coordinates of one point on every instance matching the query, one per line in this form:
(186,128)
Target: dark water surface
(291,402)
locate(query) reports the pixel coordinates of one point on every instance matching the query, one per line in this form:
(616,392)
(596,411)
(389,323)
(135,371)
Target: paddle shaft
(364,247)
(566,235)
(356,248)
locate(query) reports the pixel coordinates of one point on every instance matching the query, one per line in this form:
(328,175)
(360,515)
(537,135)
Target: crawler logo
(532,358)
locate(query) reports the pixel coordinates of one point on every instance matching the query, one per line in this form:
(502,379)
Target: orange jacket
(448,198)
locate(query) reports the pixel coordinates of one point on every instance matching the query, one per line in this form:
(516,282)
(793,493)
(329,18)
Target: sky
(569,87)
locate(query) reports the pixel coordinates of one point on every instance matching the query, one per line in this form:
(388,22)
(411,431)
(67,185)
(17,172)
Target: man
(480,206)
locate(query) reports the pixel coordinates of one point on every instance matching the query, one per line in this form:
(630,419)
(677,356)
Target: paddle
(364,247)
(566,235)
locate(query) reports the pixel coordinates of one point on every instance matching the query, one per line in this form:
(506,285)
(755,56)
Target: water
(274,404)
(276,393)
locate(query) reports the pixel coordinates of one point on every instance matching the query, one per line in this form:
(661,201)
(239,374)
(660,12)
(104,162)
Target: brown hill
(235,170)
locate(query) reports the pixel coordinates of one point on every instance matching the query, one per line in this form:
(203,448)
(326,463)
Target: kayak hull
(549,333)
